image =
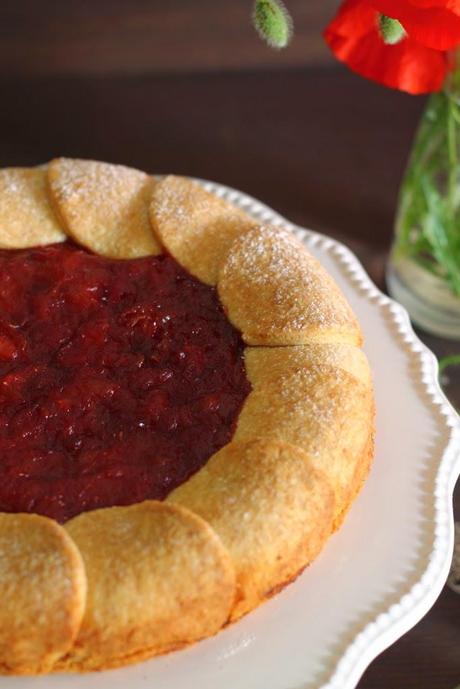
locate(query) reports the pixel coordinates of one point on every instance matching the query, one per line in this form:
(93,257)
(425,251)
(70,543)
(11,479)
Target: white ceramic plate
(383,570)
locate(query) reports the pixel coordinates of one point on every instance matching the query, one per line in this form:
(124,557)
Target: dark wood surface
(83,37)
(322,146)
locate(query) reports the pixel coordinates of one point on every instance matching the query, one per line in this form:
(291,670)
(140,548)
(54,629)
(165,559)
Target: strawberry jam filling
(118,379)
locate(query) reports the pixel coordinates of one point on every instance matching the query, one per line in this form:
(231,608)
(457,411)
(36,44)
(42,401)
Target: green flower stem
(453,360)
(443,364)
(428,221)
(452,152)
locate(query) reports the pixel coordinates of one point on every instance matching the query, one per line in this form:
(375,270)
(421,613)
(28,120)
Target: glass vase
(424,268)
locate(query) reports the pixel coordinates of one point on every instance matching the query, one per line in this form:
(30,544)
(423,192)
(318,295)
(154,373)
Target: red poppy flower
(416,61)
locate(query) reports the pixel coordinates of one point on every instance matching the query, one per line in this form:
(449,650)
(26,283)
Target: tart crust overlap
(271,508)
(158,578)
(276,293)
(104,207)
(120,584)
(43,593)
(26,214)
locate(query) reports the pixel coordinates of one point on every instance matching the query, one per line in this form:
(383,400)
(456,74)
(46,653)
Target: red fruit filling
(118,379)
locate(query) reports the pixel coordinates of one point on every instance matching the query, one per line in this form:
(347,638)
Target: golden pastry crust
(362,468)
(264,364)
(163,575)
(158,578)
(272,510)
(104,207)
(325,411)
(276,293)
(196,227)
(27,218)
(43,592)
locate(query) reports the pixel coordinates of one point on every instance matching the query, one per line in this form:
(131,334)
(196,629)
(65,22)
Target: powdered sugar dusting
(196,227)
(104,207)
(277,293)
(42,589)
(87,179)
(26,216)
(323,410)
(267,363)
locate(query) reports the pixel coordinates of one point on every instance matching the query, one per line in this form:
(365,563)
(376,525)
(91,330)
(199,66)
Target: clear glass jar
(424,268)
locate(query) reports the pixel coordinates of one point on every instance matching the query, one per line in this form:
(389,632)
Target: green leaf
(436,229)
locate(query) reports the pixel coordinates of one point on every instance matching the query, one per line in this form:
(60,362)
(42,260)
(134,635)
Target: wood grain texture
(322,146)
(147,36)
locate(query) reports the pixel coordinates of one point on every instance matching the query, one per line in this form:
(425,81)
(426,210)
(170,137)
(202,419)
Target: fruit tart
(186,414)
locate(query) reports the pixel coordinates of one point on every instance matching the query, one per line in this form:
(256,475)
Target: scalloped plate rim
(406,610)
(388,626)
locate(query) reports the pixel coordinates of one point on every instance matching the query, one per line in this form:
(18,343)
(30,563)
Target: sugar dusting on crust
(180,196)
(104,207)
(86,179)
(195,226)
(323,410)
(155,550)
(171,204)
(285,505)
(43,589)
(26,215)
(277,293)
(267,363)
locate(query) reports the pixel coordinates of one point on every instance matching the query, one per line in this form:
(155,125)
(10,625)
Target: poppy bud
(391,30)
(408,53)
(272,22)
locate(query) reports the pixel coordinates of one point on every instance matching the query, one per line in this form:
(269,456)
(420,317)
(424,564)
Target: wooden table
(320,145)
